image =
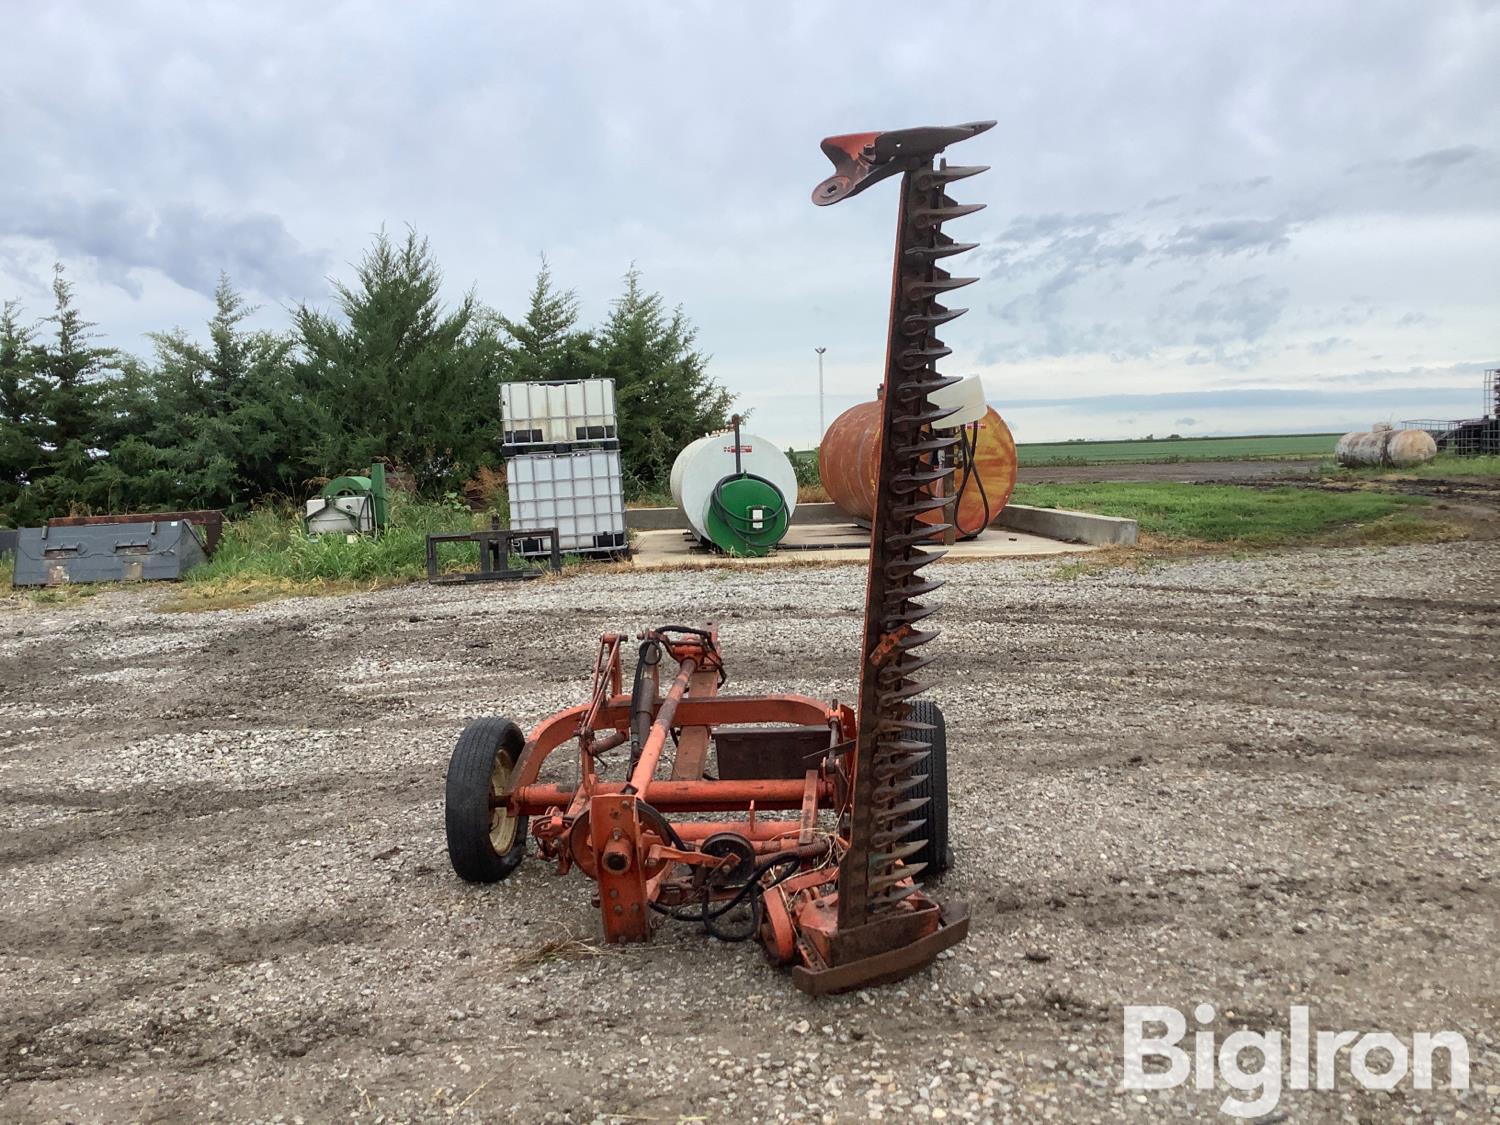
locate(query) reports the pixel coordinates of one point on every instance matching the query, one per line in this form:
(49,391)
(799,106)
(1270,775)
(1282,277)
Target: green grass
(268,555)
(1166,451)
(271,544)
(1231,514)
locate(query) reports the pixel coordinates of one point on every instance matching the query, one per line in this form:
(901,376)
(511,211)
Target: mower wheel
(485,843)
(936,855)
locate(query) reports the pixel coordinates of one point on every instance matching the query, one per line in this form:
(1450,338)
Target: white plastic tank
(704,463)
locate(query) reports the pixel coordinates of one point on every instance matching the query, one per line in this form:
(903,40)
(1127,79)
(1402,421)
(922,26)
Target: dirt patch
(1253,782)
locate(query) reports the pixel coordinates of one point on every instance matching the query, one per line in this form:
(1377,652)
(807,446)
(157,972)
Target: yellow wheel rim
(502,824)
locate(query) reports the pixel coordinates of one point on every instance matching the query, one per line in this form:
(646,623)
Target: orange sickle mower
(833,891)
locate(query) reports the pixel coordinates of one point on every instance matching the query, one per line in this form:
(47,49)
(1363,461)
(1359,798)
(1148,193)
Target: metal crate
(579,493)
(537,415)
(115,552)
(1468,437)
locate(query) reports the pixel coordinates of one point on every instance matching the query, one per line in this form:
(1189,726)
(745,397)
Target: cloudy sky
(1203,218)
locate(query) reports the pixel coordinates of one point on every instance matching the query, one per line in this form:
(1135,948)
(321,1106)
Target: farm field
(1265,446)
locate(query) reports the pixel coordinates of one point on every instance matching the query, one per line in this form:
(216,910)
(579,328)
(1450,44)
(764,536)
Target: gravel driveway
(1250,782)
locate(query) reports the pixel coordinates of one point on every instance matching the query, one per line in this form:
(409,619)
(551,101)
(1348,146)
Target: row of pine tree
(241,417)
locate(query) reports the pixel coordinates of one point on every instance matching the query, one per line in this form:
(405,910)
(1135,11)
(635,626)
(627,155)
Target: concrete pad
(1046,523)
(1075,527)
(832,543)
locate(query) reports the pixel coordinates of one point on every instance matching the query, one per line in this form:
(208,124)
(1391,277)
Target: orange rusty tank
(847,462)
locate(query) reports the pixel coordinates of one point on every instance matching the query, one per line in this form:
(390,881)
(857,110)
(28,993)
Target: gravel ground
(1254,782)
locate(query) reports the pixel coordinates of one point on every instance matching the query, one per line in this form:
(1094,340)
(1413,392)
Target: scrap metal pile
(833,892)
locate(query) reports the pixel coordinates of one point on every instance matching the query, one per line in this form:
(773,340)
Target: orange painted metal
(620,867)
(645,768)
(848,460)
(674,796)
(692,742)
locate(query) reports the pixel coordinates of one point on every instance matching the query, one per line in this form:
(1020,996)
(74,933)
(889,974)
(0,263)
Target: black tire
(936,855)
(484,845)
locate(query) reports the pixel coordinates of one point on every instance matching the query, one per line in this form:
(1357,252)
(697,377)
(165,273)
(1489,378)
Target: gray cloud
(606,134)
(1228,236)
(180,240)
(1239,187)
(1054,266)
(1442,158)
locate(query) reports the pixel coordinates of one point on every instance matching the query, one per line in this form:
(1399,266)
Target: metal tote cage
(1468,437)
(579,493)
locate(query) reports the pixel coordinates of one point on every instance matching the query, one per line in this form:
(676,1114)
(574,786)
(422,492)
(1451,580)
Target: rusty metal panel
(769,752)
(208,521)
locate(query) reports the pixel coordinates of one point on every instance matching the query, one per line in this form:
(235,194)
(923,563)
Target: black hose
(653,814)
(969,441)
(708,644)
(742,526)
(640,707)
(709,915)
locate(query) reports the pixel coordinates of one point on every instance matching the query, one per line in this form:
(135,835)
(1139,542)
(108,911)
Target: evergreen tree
(210,426)
(397,378)
(664,395)
(68,377)
(19,452)
(547,343)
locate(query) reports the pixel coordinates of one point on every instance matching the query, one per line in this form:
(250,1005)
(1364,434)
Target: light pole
(820,352)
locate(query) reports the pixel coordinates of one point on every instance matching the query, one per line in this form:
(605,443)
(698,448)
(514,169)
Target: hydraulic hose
(969,443)
(743,526)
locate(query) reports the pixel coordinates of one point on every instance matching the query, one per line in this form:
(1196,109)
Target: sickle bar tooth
(896,874)
(898,569)
(917,484)
(917,290)
(887,837)
(946,248)
(915,323)
(897,772)
(909,615)
(901,746)
(913,664)
(899,852)
(902,809)
(936,216)
(922,418)
(901,694)
(946,174)
(914,359)
(922,448)
(893,896)
(906,593)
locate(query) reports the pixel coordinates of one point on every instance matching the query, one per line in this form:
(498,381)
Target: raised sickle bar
(882,925)
(827,880)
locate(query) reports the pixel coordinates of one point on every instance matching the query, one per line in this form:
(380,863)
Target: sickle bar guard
(831,891)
